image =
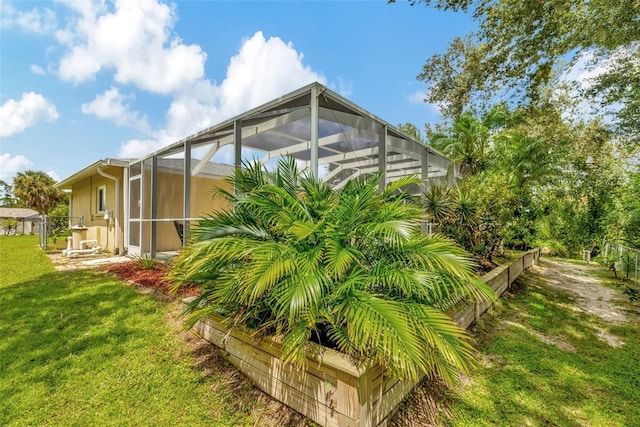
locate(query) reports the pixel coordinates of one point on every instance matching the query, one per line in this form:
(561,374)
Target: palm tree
(438,203)
(527,160)
(35,189)
(458,213)
(467,143)
(346,268)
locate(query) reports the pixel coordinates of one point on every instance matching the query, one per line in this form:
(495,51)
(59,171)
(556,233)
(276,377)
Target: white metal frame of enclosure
(330,136)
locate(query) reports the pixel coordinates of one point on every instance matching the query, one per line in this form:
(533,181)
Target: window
(135,169)
(102,199)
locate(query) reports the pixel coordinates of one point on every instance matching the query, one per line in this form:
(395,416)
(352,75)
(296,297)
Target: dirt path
(577,280)
(431,402)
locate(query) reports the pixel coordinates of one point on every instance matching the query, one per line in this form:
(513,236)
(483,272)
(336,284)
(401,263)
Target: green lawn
(543,364)
(78,348)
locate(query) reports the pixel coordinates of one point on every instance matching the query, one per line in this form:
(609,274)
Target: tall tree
(631,208)
(6,195)
(522,46)
(521,168)
(619,89)
(411,130)
(467,142)
(460,78)
(598,177)
(35,189)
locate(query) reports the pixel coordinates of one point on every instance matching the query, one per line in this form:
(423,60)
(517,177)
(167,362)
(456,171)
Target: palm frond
(292,256)
(383,327)
(295,343)
(397,185)
(339,258)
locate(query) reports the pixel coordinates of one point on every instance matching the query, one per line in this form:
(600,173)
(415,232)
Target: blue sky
(85,80)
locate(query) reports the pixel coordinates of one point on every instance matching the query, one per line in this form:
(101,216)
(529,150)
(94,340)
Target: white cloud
(417,97)
(16,116)
(53,175)
(584,73)
(194,109)
(584,70)
(11,165)
(263,69)
(36,20)
(113,106)
(589,66)
(37,70)
(136,148)
(135,39)
(343,87)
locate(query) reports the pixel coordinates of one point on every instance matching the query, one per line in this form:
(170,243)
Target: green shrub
(146,262)
(347,268)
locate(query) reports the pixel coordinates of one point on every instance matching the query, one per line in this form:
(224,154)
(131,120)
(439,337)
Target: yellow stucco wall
(202,201)
(169,206)
(84,202)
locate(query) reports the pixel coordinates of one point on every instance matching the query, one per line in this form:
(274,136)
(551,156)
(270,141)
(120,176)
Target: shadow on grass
(526,377)
(236,390)
(77,343)
(45,322)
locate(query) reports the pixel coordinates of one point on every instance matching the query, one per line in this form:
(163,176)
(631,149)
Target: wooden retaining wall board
(325,392)
(515,270)
(332,391)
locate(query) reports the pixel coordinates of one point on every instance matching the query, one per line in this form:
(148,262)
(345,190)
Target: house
(26,221)
(113,208)
(97,195)
(148,205)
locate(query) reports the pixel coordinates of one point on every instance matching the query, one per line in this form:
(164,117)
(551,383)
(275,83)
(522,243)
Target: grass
(79,348)
(543,363)
(619,283)
(21,260)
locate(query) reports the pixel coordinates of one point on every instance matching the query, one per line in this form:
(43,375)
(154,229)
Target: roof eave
(66,183)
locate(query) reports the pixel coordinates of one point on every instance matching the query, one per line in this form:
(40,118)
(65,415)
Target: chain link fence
(56,229)
(625,263)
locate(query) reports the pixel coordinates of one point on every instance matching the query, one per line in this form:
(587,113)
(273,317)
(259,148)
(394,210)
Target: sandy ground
(429,400)
(590,295)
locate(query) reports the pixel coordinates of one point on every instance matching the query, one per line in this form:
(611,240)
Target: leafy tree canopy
(7,199)
(631,205)
(62,208)
(468,141)
(532,178)
(411,130)
(35,189)
(523,46)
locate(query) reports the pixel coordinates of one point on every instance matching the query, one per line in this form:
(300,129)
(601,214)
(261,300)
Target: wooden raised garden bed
(332,391)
